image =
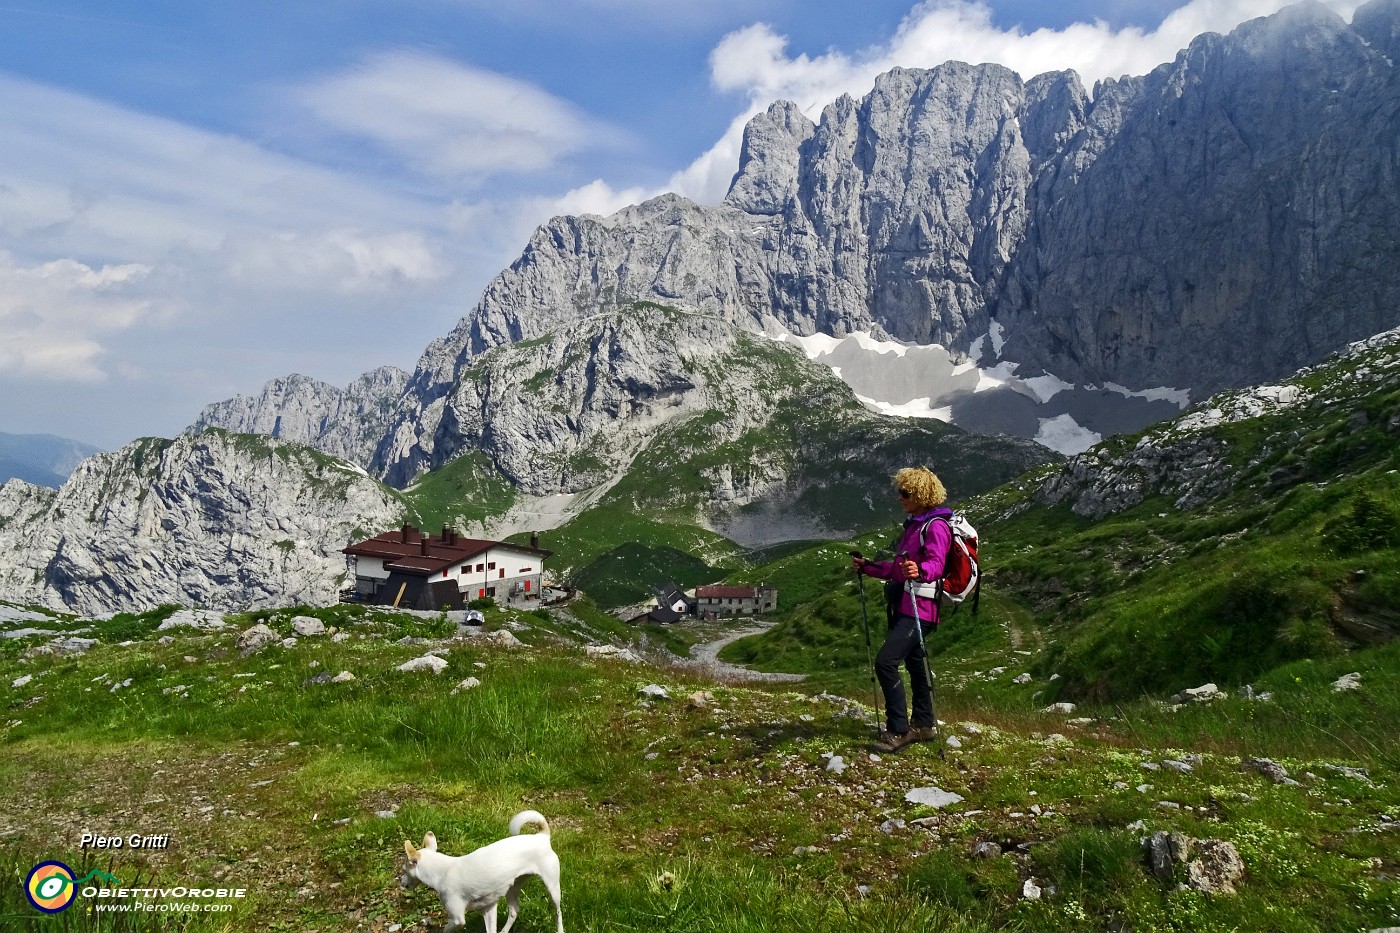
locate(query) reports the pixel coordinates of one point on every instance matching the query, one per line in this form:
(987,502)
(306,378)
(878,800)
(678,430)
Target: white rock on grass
(201,619)
(344,677)
(256,639)
(1350,681)
(654,692)
(428,662)
(935,797)
(611,651)
(1202,694)
(1065,708)
(307,626)
(467,684)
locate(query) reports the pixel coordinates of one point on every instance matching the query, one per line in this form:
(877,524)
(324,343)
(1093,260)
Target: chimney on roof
(446,533)
(423,545)
(535,540)
(403,533)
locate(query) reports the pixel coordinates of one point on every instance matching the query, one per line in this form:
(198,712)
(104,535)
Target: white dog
(478,880)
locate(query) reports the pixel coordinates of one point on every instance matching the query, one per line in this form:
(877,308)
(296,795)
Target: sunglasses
(905,494)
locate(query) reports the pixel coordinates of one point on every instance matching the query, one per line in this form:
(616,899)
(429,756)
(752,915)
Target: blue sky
(199,195)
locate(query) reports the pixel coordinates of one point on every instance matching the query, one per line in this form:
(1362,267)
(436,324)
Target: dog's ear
(410,850)
(430,842)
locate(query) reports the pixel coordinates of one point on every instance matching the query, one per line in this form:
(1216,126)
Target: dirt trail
(705,657)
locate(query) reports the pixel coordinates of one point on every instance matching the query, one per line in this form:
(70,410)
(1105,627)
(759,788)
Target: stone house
(714,601)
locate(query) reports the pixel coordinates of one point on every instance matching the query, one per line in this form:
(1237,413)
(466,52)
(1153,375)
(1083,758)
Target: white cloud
(53,316)
(451,119)
(340,261)
(755,60)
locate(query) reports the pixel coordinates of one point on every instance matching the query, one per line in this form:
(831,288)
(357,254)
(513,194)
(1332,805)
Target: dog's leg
(551,884)
(489,915)
(512,903)
(456,914)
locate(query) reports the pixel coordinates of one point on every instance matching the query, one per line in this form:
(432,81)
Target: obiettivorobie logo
(52,888)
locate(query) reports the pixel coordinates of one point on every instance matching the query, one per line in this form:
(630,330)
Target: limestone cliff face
(1218,222)
(216,520)
(347,423)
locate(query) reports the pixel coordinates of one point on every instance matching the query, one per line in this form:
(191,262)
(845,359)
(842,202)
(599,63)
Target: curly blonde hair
(923,485)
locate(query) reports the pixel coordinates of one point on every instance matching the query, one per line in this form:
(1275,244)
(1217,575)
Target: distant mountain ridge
(1216,223)
(41,459)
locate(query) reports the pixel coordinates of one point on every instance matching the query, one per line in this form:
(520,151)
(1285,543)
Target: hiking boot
(893,741)
(922,734)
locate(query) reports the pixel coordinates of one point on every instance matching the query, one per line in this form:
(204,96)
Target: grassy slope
(668,816)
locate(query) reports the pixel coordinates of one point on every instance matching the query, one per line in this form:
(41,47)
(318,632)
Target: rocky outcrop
(1189,460)
(217,520)
(348,423)
(698,417)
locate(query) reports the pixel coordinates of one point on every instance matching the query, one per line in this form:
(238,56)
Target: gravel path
(705,657)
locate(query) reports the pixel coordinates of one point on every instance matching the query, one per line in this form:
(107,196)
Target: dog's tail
(526,818)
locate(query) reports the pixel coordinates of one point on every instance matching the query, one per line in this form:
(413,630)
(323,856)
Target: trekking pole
(928,670)
(869,658)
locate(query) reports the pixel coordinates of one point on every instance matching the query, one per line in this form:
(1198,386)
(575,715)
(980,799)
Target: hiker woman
(912,579)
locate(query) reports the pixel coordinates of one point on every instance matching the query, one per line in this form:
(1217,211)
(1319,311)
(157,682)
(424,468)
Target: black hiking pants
(902,646)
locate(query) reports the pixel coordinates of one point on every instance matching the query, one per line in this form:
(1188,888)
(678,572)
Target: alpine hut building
(413,569)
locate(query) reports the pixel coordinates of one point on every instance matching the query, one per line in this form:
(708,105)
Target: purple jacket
(930,557)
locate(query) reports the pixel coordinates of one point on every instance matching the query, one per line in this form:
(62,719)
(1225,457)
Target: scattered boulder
(986,850)
(201,619)
(21,681)
(1030,890)
(1217,868)
(322,678)
(1165,851)
(1021,679)
(701,699)
(256,639)
(654,692)
(428,662)
(935,797)
(344,677)
(1350,681)
(289,642)
(306,626)
(504,639)
(611,651)
(1065,708)
(63,647)
(1202,694)
(467,684)
(1269,768)
(836,764)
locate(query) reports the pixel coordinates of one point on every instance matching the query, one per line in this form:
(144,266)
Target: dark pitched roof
(410,551)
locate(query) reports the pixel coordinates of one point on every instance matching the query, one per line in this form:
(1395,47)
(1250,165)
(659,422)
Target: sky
(197,196)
